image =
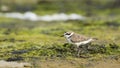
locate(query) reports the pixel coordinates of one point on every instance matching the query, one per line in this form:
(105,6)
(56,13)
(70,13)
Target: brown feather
(78,38)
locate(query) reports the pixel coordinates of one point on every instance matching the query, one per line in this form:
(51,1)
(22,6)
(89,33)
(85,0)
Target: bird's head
(68,34)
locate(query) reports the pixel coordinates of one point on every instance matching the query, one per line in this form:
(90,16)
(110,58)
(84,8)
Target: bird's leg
(85,48)
(79,50)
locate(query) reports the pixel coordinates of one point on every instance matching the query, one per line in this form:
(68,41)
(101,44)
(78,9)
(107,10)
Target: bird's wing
(78,38)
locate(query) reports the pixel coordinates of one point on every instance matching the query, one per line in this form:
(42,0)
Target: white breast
(69,40)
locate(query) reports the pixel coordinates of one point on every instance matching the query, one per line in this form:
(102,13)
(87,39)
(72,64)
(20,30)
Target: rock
(5,64)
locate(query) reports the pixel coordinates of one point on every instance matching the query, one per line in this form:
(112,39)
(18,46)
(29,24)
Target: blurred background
(85,7)
(43,10)
(30,31)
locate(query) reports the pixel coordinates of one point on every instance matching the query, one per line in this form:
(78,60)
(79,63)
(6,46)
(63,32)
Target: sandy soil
(78,63)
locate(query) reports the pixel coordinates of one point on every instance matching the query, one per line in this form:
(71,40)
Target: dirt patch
(105,64)
(58,63)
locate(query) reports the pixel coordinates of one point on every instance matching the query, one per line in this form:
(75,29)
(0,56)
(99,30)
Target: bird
(78,40)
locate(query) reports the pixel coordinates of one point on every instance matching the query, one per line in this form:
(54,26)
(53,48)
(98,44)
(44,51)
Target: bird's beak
(62,36)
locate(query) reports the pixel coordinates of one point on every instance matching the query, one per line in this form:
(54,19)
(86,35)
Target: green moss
(36,39)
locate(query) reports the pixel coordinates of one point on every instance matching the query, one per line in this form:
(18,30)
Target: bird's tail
(95,38)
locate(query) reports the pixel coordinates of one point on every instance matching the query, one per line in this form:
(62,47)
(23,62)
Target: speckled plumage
(75,38)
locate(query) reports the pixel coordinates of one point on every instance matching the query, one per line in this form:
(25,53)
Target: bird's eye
(67,33)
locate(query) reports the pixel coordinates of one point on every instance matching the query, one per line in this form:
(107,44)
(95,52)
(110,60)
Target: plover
(77,39)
